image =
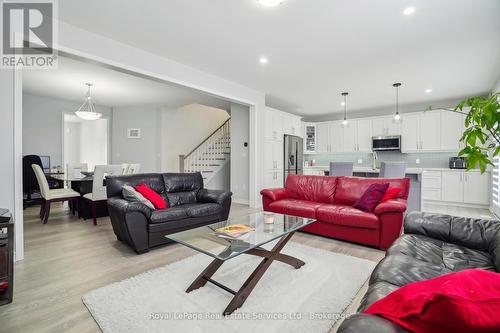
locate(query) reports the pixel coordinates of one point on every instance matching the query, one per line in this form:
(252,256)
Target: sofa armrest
(213,196)
(392,206)
(125,206)
(369,324)
(275,194)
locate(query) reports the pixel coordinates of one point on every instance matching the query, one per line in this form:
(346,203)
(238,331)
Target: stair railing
(206,153)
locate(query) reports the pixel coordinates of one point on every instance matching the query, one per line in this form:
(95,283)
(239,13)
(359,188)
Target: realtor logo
(28,34)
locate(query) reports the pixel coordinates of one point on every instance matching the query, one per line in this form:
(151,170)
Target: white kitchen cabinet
(475,185)
(452,186)
(430,131)
(273,158)
(273,179)
(349,138)
(364,135)
(336,137)
(268,125)
(323,138)
(410,133)
(452,127)
(274,124)
(310,138)
(384,126)
(292,125)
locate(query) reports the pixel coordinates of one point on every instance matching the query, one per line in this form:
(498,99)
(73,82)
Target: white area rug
(309,299)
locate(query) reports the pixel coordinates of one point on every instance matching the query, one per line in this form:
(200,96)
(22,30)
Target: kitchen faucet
(374,160)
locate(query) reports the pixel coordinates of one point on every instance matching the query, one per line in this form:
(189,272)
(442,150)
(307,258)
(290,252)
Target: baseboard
(455,204)
(240,201)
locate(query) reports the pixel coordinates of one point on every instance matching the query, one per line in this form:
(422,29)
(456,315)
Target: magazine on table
(236,231)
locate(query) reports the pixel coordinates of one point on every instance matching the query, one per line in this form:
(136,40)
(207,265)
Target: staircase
(211,155)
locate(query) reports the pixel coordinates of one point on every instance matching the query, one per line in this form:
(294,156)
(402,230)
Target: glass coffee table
(204,239)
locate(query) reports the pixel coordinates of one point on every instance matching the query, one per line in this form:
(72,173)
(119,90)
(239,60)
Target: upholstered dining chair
(49,196)
(98,193)
(392,169)
(341,168)
(125,168)
(133,169)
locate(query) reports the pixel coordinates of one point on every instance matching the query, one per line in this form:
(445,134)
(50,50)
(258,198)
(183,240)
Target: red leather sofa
(330,200)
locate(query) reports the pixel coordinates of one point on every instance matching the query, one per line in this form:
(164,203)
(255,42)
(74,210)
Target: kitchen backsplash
(427,160)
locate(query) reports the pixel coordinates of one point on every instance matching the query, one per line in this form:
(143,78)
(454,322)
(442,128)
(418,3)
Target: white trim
(18,165)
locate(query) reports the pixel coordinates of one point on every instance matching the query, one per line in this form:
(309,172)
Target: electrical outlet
(417,161)
(360,161)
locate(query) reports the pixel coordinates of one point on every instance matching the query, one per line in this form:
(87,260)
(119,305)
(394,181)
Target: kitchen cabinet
(452,187)
(273,155)
(452,127)
(384,126)
(292,125)
(313,172)
(430,131)
(349,137)
(410,133)
(475,184)
(309,138)
(336,137)
(364,135)
(274,124)
(457,187)
(273,179)
(323,138)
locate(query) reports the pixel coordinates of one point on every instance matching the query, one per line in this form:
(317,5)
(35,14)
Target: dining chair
(49,196)
(125,168)
(341,168)
(30,182)
(392,169)
(133,169)
(98,193)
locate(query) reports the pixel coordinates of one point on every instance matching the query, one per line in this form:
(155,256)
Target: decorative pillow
(152,196)
(391,193)
(371,198)
(130,194)
(467,301)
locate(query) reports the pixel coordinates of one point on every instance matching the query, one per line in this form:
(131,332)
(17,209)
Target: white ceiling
(316,49)
(111,88)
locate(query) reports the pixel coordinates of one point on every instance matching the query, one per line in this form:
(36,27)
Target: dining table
(83,184)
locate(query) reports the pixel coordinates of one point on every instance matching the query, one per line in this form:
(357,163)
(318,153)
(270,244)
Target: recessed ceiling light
(409,10)
(271,3)
(343,103)
(428,90)
(263,60)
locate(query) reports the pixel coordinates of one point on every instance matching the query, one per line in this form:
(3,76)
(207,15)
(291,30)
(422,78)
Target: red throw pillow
(466,302)
(371,198)
(391,193)
(152,196)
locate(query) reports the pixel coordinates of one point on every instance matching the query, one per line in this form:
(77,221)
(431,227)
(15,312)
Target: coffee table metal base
(242,294)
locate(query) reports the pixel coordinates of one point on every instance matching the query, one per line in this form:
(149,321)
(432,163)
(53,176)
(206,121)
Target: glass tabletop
(74,178)
(205,240)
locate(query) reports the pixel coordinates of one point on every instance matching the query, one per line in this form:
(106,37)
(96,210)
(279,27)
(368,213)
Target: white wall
(222,180)
(496,87)
(43,118)
(146,150)
(240,160)
(185,128)
(71,142)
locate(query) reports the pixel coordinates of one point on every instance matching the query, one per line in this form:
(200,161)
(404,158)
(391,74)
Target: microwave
(386,143)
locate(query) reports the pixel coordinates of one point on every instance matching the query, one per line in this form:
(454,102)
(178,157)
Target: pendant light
(397,116)
(87,111)
(345,122)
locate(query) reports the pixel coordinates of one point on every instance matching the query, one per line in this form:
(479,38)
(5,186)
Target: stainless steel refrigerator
(294,155)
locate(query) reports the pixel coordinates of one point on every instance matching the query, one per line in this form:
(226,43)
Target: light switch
(417,161)
(360,161)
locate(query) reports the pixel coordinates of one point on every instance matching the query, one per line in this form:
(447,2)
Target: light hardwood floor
(68,257)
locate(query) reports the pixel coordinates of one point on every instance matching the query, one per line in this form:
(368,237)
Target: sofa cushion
(451,256)
(182,182)
(312,188)
(350,189)
(371,198)
(202,209)
(467,301)
(347,216)
(155,198)
(168,215)
(295,207)
(181,198)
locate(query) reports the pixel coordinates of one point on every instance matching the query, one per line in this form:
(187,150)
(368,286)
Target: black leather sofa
(190,205)
(432,245)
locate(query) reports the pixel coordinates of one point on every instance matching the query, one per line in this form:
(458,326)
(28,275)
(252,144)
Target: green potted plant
(481,137)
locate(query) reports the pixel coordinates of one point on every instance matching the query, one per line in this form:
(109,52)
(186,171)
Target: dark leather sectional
(190,205)
(432,245)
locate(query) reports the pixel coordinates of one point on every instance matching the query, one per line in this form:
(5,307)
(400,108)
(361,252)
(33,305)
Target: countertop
(414,171)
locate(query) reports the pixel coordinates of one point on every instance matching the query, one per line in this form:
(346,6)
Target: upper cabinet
(385,126)
(310,134)
(334,137)
(364,135)
(452,127)
(292,125)
(421,131)
(279,123)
